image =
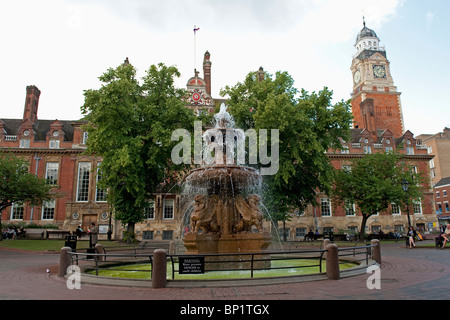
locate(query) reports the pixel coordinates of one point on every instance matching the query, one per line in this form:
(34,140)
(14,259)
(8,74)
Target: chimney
(207,72)
(31,104)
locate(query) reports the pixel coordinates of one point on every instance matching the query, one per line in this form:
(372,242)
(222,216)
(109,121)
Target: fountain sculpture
(226,217)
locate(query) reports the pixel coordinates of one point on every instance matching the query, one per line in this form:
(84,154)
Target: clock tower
(375,100)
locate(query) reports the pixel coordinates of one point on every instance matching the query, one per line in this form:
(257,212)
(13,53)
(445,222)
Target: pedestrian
(93,234)
(79,232)
(411,236)
(446,235)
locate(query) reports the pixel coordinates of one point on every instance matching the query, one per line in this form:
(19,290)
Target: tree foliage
(130,126)
(375,182)
(17,185)
(309,125)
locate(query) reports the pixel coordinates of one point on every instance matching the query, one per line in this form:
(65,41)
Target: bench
(57,234)
(34,234)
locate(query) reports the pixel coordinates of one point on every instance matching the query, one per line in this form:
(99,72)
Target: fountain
(226,217)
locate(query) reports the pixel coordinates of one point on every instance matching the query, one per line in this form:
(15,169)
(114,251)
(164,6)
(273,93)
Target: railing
(247,261)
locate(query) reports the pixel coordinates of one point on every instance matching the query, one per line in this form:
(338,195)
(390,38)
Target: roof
(41,128)
(443,182)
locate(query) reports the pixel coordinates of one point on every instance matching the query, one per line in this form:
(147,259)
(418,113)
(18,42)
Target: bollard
(159,269)
(65,261)
(99,250)
(376,251)
(325,243)
(333,272)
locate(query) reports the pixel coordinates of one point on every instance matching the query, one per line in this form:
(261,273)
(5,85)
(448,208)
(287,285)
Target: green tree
(130,126)
(309,125)
(374,183)
(18,185)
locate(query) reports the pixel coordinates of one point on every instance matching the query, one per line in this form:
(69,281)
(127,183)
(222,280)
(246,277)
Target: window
(17,211)
(352,230)
(84,169)
(300,232)
(347,168)
(345,149)
(350,209)
(85,137)
(367,149)
(398,228)
(48,210)
(395,209)
(376,229)
(167,234)
(410,150)
(147,235)
(417,206)
(438,194)
(54,144)
(325,204)
(100,194)
(444,193)
(25,143)
(51,174)
(149,211)
(446,206)
(282,232)
(168,209)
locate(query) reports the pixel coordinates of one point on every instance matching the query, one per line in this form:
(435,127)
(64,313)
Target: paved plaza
(406,274)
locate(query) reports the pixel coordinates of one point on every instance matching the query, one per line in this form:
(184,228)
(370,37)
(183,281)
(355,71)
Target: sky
(63,46)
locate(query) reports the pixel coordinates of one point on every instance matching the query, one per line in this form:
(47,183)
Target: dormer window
(25,143)
(54,144)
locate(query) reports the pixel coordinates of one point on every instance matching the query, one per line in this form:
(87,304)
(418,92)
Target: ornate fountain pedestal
(198,244)
(226,218)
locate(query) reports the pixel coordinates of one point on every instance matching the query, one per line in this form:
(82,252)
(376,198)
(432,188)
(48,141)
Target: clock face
(379,71)
(357,76)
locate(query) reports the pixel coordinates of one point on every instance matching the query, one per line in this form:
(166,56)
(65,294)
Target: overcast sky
(63,46)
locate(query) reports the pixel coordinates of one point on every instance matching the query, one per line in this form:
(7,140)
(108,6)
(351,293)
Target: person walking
(411,236)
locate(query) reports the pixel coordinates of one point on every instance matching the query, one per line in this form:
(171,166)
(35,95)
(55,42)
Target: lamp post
(405,186)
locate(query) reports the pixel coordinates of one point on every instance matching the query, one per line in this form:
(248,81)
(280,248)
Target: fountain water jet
(226,203)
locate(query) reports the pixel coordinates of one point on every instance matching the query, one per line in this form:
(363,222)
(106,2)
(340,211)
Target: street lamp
(405,186)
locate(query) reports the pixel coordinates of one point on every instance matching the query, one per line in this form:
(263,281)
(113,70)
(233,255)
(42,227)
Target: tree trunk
(362,233)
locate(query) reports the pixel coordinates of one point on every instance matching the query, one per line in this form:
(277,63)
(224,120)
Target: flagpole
(195,47)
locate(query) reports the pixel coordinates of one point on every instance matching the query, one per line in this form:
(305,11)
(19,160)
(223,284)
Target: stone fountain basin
(220,178)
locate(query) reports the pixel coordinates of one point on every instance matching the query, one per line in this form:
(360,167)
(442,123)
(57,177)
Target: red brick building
(54,150)
(378,127)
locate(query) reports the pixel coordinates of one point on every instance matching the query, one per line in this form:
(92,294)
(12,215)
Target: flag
(196,29)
